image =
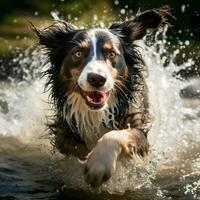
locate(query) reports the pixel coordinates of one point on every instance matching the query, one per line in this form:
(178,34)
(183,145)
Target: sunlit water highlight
(29,167)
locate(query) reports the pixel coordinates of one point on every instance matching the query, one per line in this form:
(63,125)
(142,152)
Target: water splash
(24,112)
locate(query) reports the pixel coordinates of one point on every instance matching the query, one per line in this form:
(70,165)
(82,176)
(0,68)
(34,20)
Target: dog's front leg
(101,162)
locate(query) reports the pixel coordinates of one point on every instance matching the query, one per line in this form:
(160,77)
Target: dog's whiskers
(122,85)
(123,78)
(119,89)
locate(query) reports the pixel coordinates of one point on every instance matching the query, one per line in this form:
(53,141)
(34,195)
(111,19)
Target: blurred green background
(13,14)
(16,34)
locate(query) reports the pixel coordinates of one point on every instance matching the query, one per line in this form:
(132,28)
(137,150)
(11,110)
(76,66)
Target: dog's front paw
(101,162)
(98,171)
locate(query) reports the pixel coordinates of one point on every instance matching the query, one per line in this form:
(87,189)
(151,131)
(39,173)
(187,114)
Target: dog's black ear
(54,35)
(55,39)
(137,27)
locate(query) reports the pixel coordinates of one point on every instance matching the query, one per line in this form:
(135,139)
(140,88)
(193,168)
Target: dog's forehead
(97,35)
(103,35)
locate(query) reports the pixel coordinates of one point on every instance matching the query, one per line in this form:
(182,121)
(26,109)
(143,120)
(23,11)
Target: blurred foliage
(14,30)
(186,12)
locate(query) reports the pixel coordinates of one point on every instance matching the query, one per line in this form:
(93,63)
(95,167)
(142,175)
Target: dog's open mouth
(94,99)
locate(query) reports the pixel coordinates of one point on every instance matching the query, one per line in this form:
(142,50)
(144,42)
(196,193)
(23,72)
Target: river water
(31,169)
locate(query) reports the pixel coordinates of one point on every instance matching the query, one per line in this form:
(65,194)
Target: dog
(98,89)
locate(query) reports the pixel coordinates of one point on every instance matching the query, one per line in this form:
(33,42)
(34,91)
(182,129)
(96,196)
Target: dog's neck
(89,124)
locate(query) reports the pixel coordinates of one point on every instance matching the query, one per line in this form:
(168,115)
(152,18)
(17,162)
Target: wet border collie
(98,89)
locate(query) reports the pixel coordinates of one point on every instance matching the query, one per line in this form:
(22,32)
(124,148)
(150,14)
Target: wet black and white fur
(99,92)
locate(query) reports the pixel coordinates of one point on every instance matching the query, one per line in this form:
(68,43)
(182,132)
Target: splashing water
(174,138)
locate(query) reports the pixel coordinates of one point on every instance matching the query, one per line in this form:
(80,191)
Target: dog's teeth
(96,103)
(89,99)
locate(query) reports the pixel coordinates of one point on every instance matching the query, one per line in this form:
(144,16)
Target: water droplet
(187,42)
(122,11)
(116,2)
(183,8)
(36,13)
(95,18)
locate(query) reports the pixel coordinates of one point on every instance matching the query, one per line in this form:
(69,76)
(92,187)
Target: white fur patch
(89,122)
(97,67)
(94,43)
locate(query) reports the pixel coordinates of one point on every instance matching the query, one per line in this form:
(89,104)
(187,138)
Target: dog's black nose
(96,80)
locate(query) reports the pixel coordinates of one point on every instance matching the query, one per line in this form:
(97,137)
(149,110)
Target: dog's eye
(111,55)
(78,54)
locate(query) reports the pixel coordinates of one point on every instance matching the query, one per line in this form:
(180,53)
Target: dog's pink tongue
(97,96)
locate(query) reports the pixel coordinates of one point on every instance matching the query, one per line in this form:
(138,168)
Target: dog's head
(95,63)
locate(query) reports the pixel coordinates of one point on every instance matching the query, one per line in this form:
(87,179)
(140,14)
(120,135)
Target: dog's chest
(91,125)
(91,137)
